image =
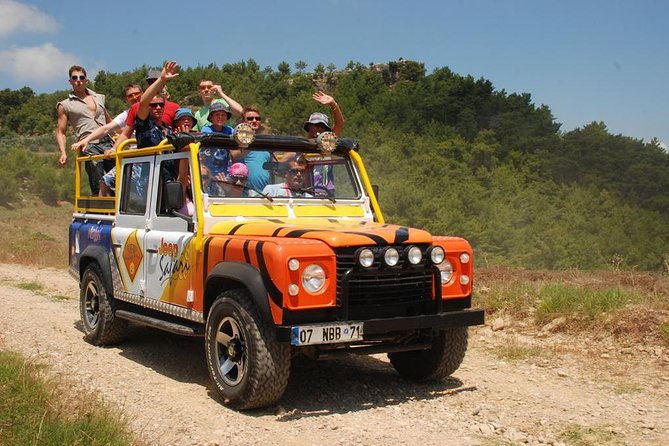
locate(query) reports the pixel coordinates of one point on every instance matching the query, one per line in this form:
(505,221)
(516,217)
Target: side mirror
(174,196)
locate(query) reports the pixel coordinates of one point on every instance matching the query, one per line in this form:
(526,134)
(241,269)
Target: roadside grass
(30,286)
(514,350)
(34,233)
(556,299)
(578,435)
(626,387)
(35,409)
(631,304)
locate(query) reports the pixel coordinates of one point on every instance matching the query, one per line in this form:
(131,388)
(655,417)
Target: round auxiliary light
(414,255)
(327,142)
(293,264)
(464,258)
(365,257)
(464,280)
(446,270)
(313,278)
(437,255)
(244,134)
(391,256)
(293,289)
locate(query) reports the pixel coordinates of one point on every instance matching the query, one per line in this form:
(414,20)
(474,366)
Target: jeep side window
(135,188)
(214,164)
(168,171)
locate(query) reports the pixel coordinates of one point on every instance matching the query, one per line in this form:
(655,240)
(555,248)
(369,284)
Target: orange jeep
(262,275)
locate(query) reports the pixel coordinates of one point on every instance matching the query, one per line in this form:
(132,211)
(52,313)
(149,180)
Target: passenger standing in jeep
(149,127)
(84,110)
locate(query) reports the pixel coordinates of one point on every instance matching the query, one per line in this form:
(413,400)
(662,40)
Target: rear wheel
(447,352)
(247,364)
(101,326)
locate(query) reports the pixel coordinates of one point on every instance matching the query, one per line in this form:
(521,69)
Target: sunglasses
(238,178)
(253,118)
(296,171)
(157,104)
(134,95)
(78,78)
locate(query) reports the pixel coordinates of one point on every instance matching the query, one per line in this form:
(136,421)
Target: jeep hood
(334,233)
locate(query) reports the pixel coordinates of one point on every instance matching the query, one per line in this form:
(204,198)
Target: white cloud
(41,64)
(21,17)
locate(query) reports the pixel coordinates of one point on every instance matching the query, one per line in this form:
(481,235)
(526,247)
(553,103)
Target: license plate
(326,334)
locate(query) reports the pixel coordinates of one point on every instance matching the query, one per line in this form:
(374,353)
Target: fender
(246,275)
(97,254)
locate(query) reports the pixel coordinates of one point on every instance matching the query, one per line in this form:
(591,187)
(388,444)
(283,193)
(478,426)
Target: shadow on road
(332,385)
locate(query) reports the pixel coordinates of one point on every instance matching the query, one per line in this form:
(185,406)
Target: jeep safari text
(262,278)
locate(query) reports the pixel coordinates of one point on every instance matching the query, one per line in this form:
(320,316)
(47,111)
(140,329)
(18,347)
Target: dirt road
(564,391)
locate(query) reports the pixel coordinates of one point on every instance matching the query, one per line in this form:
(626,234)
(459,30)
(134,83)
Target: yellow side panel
(329,211)
(247,210)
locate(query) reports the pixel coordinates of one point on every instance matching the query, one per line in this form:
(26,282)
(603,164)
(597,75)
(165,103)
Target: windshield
(265,174)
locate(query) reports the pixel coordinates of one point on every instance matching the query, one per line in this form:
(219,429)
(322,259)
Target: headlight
(365,257)
(446,270)
(437,255)
(391,256)
(244,134)
(313,278)
(464,258)
(293,264)
(414,255)
(327,142)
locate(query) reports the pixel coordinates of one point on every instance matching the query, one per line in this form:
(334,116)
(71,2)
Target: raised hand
(323,98)
(169,70)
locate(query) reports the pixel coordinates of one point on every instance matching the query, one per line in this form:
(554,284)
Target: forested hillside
(450,153)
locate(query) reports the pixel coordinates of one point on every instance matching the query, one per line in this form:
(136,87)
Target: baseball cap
(219,106)
(152,75)
(239,169)
(183,112)
(317,118)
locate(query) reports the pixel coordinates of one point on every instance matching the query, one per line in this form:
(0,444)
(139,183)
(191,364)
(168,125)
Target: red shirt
(168,114)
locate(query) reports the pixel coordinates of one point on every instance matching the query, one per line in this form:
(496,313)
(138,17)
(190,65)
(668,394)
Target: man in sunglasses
(149,127)
(254,159)
(296,176)
(132,93)
(84,110)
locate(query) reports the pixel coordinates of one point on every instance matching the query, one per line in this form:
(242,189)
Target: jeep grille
(380,291)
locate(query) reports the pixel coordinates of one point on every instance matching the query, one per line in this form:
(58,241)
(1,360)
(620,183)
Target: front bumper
(375,327)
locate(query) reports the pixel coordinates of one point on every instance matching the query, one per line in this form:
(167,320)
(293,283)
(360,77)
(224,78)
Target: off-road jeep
(264,278)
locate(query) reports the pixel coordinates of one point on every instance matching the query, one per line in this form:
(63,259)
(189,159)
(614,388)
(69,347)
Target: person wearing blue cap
(184,121)
(217,160)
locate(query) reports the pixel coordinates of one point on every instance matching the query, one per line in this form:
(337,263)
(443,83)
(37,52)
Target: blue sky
(588,60)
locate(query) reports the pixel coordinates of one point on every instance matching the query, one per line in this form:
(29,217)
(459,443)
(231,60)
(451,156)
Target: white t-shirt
(119,120)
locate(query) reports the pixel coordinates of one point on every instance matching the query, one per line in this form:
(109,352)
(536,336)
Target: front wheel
(101,326)
(247,364)
(442,359)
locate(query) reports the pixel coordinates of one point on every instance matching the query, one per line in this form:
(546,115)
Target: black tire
(447,352)
(247,364)
(101,326)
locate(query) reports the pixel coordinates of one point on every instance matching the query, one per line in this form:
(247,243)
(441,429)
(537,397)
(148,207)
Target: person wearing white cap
(319,123)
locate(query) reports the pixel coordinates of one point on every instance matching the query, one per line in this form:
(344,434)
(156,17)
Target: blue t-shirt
(216,160)
(226,130)
(258,177)
(148,133)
